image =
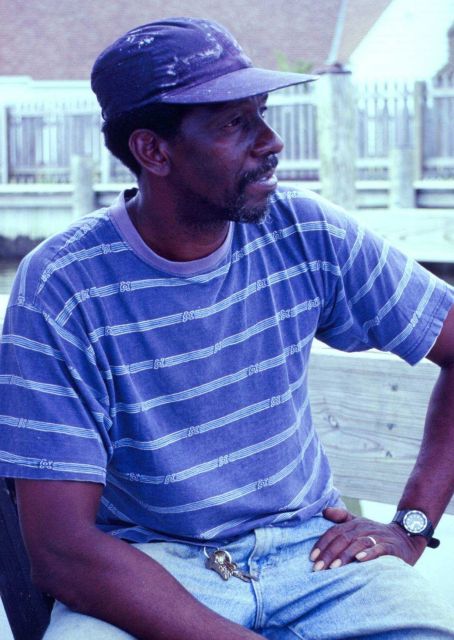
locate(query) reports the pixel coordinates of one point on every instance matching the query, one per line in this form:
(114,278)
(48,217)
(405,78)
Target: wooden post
(336,124)
(82,180)
(420,105)
(401,166)
(353,505)
(4,139)
(105,164)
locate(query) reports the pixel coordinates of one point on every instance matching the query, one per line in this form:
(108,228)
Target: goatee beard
(238,211)
(209,216)
(216,217)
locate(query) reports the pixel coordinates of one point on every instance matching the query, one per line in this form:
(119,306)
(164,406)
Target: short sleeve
(382,299)
(54,417)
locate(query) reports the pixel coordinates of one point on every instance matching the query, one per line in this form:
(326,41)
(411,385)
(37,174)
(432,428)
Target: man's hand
(359,539)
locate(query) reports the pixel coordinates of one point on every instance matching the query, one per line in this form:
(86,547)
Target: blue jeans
(381,599)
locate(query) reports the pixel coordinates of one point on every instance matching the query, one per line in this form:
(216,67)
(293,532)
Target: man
(156,417)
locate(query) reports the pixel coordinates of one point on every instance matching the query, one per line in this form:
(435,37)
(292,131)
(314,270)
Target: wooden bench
(369,409)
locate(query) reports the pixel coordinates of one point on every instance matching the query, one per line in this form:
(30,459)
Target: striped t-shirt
(182,387)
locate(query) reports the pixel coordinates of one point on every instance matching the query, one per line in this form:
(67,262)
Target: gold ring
(374,542)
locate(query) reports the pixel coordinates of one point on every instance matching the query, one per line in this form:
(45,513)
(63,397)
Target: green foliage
(298,66)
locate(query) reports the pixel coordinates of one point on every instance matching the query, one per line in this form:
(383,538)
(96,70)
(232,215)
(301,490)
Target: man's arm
(429,487)
(101,576)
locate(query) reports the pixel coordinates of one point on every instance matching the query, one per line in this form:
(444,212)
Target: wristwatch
(416,523)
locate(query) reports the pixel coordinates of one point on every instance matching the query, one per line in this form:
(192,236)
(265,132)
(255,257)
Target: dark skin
(104,577)
(182,211)
(183,208)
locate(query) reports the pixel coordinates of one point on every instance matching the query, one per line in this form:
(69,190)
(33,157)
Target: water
(7,272)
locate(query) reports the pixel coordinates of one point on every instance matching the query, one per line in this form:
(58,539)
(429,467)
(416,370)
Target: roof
(59,39)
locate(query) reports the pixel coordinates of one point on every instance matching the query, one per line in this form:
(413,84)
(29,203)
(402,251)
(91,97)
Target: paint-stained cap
(179,61)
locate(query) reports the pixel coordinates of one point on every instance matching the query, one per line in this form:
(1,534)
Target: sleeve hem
(432,330)
(23,474)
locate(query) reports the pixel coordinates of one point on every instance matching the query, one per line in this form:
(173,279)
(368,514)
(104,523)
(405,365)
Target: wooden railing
(369,409)
(38,138)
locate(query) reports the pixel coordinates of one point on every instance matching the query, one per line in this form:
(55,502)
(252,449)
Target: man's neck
(164,233)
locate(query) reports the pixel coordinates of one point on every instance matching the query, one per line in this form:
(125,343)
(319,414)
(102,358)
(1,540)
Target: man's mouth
(268,178)
(264,174)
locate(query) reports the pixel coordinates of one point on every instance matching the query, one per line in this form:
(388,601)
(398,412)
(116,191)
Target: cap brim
(236,85)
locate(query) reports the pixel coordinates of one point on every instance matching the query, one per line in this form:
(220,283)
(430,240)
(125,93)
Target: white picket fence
(39,138)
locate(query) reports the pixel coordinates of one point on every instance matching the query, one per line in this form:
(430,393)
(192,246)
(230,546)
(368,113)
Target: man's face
(222,163)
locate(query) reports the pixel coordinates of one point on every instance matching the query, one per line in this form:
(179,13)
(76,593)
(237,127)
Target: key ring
(207,555)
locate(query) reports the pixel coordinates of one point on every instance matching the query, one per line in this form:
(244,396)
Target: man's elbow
(60,572)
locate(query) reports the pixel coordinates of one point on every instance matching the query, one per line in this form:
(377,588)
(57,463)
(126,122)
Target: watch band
(427,532)
(433,543)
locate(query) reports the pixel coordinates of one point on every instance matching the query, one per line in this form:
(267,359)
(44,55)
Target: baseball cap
(179,61)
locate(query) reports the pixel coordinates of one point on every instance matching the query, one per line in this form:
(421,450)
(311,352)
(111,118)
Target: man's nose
(267,141)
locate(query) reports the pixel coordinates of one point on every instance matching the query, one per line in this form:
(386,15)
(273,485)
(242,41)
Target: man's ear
(150,151)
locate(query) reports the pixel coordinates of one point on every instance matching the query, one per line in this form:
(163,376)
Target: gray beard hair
(205,216)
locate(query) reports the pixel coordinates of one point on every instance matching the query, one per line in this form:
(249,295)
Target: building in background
(59,39)
(49,116)
(408,41)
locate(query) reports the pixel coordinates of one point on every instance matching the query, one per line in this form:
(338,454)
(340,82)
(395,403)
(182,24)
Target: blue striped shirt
(182,387)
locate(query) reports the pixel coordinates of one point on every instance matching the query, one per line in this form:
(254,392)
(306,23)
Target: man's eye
(234,122)
(263,111)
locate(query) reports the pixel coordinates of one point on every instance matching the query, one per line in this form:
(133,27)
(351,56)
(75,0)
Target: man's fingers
(331,547)
(322,543)
(337,514)
(338,547)
(365,548)
(380,549)
(359,539)
(351,552)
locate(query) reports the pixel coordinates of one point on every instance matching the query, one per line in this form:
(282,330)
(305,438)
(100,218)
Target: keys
(221,562)
(217,562)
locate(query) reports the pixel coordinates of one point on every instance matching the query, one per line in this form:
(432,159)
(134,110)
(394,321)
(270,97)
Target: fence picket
(42,137)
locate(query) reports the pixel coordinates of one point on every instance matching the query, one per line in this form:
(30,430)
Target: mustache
(268,165)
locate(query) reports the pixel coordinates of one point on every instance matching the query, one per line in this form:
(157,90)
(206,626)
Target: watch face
(415,521)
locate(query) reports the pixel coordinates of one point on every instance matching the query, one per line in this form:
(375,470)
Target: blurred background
(375,133)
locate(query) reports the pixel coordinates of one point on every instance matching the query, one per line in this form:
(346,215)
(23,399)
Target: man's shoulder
(301,203)
(294,196)
(308,211)
(61,253)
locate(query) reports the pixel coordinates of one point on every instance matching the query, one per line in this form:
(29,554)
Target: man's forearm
(431,482)
(106,578)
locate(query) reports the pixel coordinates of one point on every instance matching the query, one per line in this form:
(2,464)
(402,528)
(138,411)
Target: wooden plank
(4,156)
(369,410)
(426,235)
(420,98)
(443,92)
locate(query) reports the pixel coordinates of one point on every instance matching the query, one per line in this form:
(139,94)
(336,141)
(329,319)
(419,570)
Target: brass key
(220,561)
(242,575)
